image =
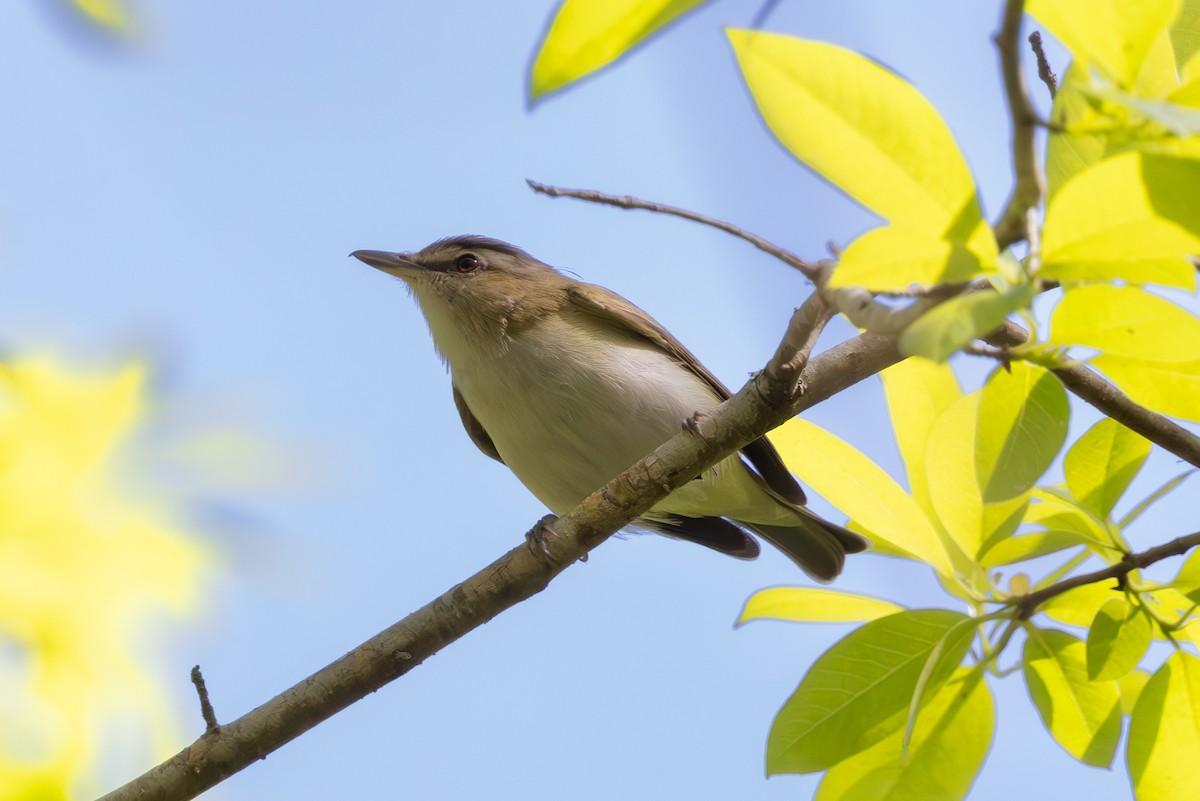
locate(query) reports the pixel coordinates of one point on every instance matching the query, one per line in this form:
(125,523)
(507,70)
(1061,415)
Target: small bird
(569,384)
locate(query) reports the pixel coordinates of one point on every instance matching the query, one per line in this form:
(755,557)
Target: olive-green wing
(475,429)
(616,311)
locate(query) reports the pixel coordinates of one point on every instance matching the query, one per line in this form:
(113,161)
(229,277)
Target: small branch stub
(206,710)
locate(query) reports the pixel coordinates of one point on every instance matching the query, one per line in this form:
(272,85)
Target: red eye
(468,263)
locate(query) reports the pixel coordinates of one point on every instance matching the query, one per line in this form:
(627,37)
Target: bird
(568,384)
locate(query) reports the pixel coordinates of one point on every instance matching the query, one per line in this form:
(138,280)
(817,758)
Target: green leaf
(948,327)
(1072,146)
(1153,498)
(1023,416)
(954,487)
(1132,216)
(1164,734)
(810,604)
(859,691)
(951,740)
(857,486)
(1029,546)
(918,390)
(1083,716)
(1101,463)
(1117,640)
(1115,36)
(1150,347)
(589,34)
(876,138)
(1078,607)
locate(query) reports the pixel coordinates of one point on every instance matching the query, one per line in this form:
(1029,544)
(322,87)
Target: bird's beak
(400,265)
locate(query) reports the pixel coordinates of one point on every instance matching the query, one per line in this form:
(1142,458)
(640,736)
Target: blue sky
(195,198)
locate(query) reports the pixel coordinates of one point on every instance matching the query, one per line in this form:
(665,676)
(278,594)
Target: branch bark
(759,406)
(1030,184)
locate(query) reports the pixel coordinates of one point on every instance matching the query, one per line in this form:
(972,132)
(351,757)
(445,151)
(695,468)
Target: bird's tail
(816,545)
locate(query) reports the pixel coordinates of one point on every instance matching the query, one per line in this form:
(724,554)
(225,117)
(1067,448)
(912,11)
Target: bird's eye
(467,263)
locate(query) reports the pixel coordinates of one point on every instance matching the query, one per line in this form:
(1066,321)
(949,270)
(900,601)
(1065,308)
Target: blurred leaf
(1132,216)
(1101,463)
(1149,345)
(1117,640)
(948,746)
(948,327)
(1179,120)
(589,34)
(1115,36)
(859,691)
(861,489)
(1185,33)
(1164,734)
(918,390)
(86,570)
(1083,716)
(109,15)
(1023,415)
(814,605)
(876,138)
(1072,147)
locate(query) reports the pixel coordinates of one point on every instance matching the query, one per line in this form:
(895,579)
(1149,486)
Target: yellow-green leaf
(953,485)
(1078,607)
(1029,546)
(1150,347)
(918,390)
(1132,216)
(811,604)
(948,746)
(900,256)
(947,328)
(1071,147)
(1023,415)
(857,486)
(1117,640)
(1131,685)
(869,133)
(589,34)
(1164,734)
(1101,463)
(1083,716)
(859,691)
(1115,36)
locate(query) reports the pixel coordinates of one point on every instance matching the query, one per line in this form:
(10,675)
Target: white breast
(566,415)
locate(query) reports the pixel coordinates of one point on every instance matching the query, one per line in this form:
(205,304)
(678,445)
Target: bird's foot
(692,424)
(535,538)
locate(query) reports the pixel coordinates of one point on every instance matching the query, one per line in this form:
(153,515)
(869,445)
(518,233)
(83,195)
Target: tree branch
(514,577)
(809,269)
(1026,605)
(1030,183)
(1043,64)
(1109,399)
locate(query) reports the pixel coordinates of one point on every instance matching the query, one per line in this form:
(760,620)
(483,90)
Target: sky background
(193,199)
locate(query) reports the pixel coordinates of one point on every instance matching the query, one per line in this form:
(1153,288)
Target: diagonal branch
(513,578)
(1109,399)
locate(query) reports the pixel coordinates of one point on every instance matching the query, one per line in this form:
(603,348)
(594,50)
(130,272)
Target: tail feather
(816,545)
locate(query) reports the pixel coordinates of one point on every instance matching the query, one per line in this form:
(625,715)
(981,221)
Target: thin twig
(809,269)
(803,329)
(1044,72)
(1030,182)
(206,710)
(1027,605)
(1109,399)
